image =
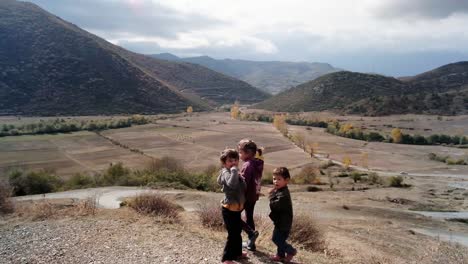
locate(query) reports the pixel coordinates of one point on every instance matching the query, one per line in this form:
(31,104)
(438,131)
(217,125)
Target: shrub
(313,189)
(43,181)
(306,176)
(210,216)
(116,174)
(374,178)
(78,181)
(6,205)
(155,204)
(356,176)
(396,181)
(267,178)
(306,233)
(450,161)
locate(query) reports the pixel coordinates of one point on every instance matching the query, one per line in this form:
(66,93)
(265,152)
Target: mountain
(440,91)
(442,79)
(50,67)
(270,76)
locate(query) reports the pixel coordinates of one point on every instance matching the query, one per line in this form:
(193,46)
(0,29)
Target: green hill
(51,67)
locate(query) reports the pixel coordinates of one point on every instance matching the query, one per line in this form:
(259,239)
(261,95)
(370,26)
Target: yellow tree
(279,121)
(397,135)
(347,162)
(345,128)
(190,109)
(235,110)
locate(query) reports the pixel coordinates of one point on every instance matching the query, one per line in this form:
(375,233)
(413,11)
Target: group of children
(242,190)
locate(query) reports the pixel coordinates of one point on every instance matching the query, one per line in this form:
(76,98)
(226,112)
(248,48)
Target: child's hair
(228,154)
(283,172)
(259,151)
(248,145)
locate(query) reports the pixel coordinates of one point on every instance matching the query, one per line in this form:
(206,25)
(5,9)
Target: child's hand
(272,190)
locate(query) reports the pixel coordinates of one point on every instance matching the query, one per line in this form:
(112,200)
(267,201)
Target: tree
(235,110)
(299,139)
(396,135)
(347,162)
(190,109)
(279,122)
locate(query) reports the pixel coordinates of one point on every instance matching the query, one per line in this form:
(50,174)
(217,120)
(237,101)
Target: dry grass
(156,205)
(50,209)
(307,233)
(6,205)
(210,216)
(444,252)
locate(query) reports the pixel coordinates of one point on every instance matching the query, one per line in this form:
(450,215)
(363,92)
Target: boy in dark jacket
(282,215)
(252,171)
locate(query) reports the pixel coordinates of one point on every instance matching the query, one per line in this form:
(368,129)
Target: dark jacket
(281,208)
(252,171)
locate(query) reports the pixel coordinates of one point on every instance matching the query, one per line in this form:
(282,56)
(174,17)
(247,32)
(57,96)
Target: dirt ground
(363,223)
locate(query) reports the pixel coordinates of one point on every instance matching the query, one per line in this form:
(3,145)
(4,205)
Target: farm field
(355,216)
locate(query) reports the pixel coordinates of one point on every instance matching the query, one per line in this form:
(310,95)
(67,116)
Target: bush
(6,205)
(79,181)
(210,216)
(450,161)
(356,176)
(313,189)
(155,204)
(39,182)
(396,181)
(374,178)
(306,233)
(306,176)
(116,174)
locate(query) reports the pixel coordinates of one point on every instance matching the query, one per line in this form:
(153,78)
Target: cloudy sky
(392,37)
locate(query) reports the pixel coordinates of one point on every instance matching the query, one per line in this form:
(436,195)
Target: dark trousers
(249,225)
(233,223)
(279,238)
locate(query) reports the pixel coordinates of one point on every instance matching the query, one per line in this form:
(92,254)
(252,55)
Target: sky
(390,37)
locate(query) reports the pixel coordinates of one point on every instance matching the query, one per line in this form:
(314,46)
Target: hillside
(370,94)
(270,76)
(49,67)
(442,79)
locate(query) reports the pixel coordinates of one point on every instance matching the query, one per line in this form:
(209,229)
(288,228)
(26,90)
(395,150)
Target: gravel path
(106,240)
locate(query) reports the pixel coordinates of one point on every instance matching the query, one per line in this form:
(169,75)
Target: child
(252,170)
(232,205)
(281,214)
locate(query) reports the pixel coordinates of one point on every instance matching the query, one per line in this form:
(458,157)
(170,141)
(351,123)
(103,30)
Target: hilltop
(270,76)
(50,67)
(441,91)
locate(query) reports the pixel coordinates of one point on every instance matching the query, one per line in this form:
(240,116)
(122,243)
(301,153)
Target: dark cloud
(431,9)
(144,18)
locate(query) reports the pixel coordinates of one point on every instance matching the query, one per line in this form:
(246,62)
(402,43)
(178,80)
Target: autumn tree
(235,110)
(190,109)
(397,135)
(300,141)
(279,122)
(347,162)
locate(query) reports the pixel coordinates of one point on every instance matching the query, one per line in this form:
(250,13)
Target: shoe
(289,257)
(276,258)
(251,243)
(243,256)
